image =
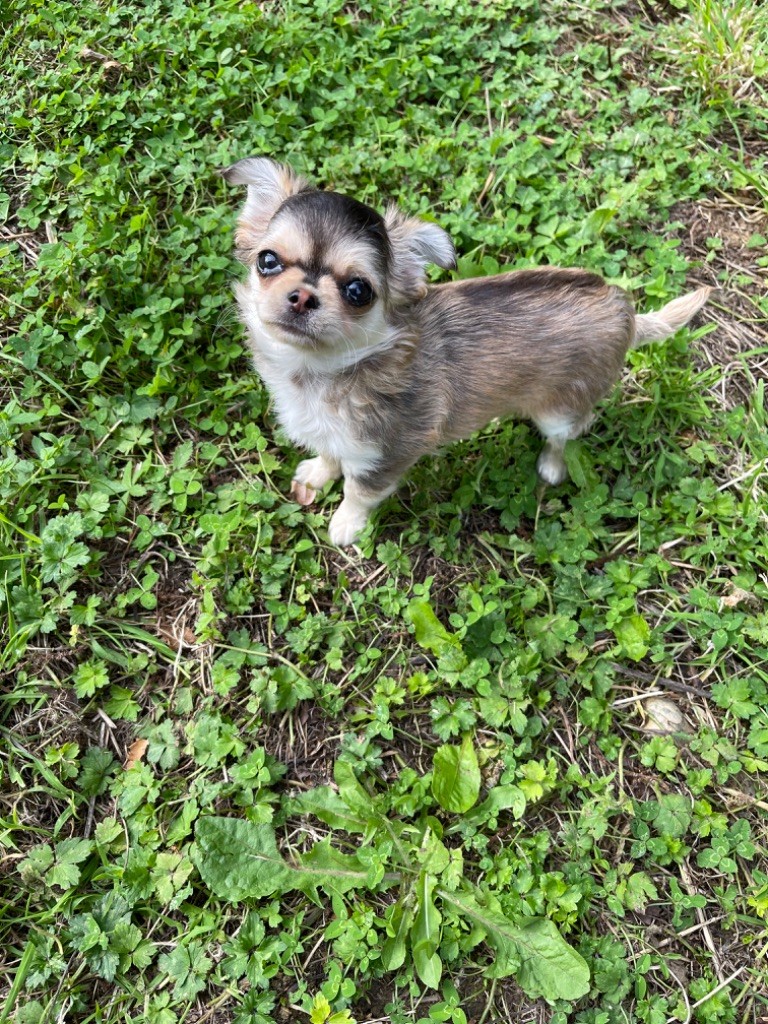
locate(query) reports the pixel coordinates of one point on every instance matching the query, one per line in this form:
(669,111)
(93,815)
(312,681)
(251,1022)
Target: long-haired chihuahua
(371,368)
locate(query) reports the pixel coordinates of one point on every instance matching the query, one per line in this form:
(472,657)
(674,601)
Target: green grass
(505,761)
(724,44)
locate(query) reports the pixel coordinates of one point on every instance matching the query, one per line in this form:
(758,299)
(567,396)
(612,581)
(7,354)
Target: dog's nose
(301,300)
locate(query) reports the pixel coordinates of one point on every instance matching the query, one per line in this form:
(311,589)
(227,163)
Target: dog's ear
(414,244)
(269,185)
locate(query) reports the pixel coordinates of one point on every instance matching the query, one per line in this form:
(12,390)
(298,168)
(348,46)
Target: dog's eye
(268,263)
(358,292)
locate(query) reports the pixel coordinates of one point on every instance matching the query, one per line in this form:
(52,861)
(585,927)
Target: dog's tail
(665,321)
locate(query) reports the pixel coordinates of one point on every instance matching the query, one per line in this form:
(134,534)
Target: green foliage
(57,867)
(532,950)
(432,635)
(240,861)
(633,634)
(107,939)
(244,775)
(321,1013)
(456,777)
(723,44)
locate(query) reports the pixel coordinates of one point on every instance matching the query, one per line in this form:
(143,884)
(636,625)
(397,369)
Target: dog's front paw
(303,494)
(346,525)
(551,466)
(310,477)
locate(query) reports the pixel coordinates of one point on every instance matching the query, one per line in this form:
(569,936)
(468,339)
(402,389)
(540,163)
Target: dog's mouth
(293,333)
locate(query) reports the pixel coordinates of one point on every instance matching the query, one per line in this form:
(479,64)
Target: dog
(370,367)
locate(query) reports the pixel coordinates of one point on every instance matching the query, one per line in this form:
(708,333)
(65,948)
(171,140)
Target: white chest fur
(305,397)
(308,412)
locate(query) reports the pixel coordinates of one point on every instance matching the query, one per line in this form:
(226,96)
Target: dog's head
(327,270)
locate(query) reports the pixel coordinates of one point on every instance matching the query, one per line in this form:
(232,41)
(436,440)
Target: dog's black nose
(301,300)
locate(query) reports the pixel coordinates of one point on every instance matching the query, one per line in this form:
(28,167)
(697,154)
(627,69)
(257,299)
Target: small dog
(371,368)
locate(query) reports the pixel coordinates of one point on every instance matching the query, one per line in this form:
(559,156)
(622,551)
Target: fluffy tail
(665,321)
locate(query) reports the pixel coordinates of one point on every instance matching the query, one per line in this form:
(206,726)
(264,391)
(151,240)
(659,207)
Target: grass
(505,761)
(724,44)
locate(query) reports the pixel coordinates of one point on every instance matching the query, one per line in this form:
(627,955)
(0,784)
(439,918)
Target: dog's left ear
(269,185)
(414,244)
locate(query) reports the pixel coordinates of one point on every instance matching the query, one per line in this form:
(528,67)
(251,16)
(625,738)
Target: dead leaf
(176,639)
(109,64)
(136,753)
(738,596)
(664,716)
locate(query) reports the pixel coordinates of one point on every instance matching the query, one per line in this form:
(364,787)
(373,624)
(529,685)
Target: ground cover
(507,760)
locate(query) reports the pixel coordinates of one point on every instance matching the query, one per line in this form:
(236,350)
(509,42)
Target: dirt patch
(725,226)
(309,749)
(731,222)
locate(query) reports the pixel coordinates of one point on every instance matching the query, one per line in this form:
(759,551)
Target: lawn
(505,760)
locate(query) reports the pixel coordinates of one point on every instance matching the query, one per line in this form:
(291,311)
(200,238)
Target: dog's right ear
(415,243)
(269,185)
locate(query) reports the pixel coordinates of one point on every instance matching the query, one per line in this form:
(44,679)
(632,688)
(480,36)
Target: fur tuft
(670,318)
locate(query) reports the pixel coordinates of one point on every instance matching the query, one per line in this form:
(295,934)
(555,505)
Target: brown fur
(422,365)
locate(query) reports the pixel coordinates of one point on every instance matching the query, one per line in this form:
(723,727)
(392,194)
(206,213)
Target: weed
(723,44)
(248,777)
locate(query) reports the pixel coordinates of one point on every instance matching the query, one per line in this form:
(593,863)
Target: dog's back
(525,343)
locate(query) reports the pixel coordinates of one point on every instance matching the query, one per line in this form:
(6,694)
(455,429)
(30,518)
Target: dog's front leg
(311,476)
(349,519)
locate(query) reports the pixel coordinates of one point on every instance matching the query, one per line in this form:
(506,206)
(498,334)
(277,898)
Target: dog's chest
(310,411)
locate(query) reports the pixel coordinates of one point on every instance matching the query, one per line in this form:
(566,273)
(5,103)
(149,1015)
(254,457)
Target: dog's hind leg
(557,430)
